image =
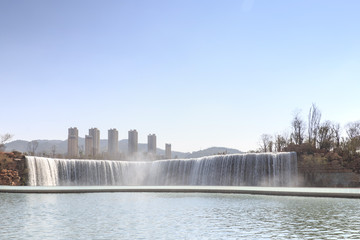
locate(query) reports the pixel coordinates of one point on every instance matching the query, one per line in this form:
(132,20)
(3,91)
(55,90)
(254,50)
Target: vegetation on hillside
(318,142)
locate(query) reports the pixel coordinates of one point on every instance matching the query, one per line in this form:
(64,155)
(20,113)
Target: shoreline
(276,191)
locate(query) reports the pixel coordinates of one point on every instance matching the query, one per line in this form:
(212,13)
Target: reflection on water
(176,216)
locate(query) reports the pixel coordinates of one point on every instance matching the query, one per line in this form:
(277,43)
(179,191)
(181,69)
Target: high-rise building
(89,143)
(152,143)
(167,151)
(133,142)
(73,141)
(113,143)
(95,133)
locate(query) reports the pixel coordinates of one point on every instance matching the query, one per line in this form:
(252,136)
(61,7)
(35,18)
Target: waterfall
(262,169)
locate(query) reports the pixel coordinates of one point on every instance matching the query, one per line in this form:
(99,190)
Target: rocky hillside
(322,168)
(13,169)
(326,170)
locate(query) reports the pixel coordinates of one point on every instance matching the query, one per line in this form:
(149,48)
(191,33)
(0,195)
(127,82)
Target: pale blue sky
(196,73)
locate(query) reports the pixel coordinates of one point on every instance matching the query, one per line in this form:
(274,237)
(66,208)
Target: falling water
(264,169)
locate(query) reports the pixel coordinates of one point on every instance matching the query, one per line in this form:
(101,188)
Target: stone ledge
(277,191)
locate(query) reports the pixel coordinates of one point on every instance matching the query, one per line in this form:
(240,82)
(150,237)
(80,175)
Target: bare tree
(3,139)
(280,143)
(287,137)
(325,135)
(270,146)
(53,150)
(314,118)
(353,129)
(336,134)
(298,129)
(266,143)
(353,132)
(32,146)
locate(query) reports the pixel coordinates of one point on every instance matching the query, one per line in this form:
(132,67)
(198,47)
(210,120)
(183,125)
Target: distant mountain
(45,146)
(213,151)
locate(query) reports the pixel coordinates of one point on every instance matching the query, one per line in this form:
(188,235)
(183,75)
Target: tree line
(314,135)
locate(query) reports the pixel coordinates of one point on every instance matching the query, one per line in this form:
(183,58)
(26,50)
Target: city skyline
(92,145)
(151,142)
(92,142)
(113,143)
(73,142)
(197,73)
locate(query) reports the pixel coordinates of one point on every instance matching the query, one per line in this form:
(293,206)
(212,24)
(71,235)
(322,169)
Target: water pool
(130,215)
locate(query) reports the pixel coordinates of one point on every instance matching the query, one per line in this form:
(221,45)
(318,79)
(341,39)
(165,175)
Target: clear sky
(196,73)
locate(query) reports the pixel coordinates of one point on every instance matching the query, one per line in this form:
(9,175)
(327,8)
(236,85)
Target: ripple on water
(176,216)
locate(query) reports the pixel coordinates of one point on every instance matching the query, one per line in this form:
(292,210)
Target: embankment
(325,170)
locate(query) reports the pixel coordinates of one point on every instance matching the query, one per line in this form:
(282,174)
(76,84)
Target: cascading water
(264,169)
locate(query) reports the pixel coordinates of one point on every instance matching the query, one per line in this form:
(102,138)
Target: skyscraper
(152,143)
(113,143)
(73,141)
(89,145)
(167,151)
(133,142)
(95,133)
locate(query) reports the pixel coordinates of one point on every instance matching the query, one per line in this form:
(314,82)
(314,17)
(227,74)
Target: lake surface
(176,216)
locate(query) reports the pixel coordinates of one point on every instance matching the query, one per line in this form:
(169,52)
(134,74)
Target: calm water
(176,216)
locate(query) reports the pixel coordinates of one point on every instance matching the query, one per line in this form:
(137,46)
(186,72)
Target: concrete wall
(323,178)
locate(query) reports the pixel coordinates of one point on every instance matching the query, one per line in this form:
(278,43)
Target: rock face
(9,177)
(13,171)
